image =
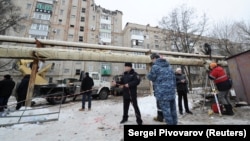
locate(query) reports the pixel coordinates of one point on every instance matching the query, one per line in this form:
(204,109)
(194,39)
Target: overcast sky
(151,11)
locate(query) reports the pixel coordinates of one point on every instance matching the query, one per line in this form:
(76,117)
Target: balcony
(38,32)
(40,21)
(137,37)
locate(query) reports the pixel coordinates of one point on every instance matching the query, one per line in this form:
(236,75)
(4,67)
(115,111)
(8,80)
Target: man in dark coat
(129,82)
(22,91)
(86,89)
(182,90)
(6,87)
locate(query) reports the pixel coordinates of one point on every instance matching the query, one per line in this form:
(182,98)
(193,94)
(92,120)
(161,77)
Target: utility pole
(32,80)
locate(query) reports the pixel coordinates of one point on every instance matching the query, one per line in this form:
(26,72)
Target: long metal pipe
(102,47)
(96,56)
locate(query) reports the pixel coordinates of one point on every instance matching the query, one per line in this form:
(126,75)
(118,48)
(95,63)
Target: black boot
(124,119)
(228,110)
(160,116)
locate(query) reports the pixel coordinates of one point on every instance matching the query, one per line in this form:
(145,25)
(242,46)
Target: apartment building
(74,21)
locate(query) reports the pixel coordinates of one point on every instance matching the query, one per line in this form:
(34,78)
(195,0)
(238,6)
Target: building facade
(84,21)
(74,21)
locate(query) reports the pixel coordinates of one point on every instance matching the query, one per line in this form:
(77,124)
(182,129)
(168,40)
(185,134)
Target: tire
(48,100)
(103,94)
(57,99)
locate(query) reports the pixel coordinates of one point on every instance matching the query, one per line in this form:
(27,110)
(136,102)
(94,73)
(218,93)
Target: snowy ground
(102,122)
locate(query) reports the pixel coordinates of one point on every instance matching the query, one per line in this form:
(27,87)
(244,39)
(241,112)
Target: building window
(50,79)
(137,42)
(73,16)
(80,38)
(105,35)
(78,72)
(28,6)
(136,32)
(82,19)
(44,8)
(81,28)
(37,36)
(66,71)
(61,12)
(26,16)
(83,10)
(106,69)
(105,26)
(60,20)
(105,17)
(58,31)
(70,36)
(74,7)
(40,27)
(93,17)
(139,66)
(42,16)
(63,2)
(72,25)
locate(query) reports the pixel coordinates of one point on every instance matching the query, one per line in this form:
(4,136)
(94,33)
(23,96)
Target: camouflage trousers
(168,108)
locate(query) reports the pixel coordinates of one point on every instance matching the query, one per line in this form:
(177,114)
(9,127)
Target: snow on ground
(102,122)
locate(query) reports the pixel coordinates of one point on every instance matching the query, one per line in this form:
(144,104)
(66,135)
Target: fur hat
(212,65)
(128,64)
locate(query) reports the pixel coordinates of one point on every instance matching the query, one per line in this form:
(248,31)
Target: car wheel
(103,94)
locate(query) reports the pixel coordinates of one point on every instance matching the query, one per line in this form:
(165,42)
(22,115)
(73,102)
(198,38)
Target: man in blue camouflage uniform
(164,83)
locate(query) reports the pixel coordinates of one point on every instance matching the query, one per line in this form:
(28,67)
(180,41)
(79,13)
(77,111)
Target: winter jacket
(163,78)
(6,87)
(133,80)
(87,83)
(181,86)
(220,78)
(23,87)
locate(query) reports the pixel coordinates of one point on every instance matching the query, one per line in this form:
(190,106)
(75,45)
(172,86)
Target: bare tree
(244,30)
(225,35)
(183,27)
(9,16)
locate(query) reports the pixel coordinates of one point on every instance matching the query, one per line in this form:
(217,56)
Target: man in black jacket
(129,82)
(6,87)
(22,91)
(86,89)
(182,90)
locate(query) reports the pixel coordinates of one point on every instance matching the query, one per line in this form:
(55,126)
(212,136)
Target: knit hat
(154,55)
(128,64)
(212,65)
